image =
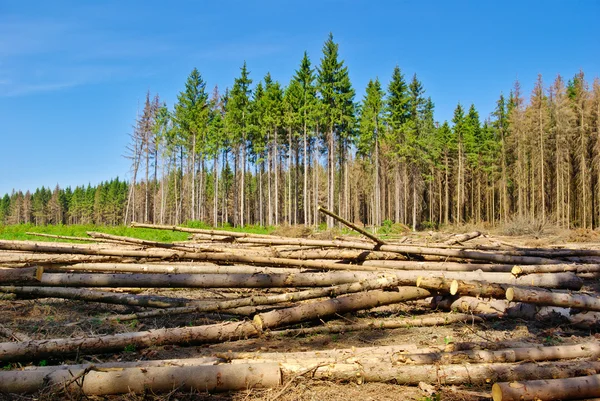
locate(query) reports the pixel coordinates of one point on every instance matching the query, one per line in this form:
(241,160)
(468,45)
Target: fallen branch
(456,239)
(352,226)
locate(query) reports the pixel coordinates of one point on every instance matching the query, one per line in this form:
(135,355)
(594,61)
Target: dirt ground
(49,318)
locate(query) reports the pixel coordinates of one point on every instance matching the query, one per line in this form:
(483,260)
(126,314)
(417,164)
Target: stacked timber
(293,287)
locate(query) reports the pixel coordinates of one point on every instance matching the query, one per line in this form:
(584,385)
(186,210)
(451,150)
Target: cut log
(550,280)
(340,305)
(439,266)
(72,238)
(472,288)
(577,268)
(99,381)
(234,234)
(383,282)
(531,354)
(405,249)
(20,259)
(173,268)
(40,349)
(24,275)
(338,254)
(82,294)
(475,374)
(456,239)
(553,389)
(412,250)
(379,325)
(494,307)
(352,226)
(542,297)
(275,280)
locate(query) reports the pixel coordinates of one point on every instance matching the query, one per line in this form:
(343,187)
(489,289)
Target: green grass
(17,232)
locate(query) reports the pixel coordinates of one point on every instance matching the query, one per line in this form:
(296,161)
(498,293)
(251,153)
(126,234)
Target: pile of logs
(315,279)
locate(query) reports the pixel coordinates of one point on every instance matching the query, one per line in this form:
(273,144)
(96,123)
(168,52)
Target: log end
(496,392)
(419,281)
(258,323)
(510,294)
(516,271)
(454,287)
(39,271)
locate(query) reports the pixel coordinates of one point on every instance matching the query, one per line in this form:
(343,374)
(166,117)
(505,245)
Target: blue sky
(74,73)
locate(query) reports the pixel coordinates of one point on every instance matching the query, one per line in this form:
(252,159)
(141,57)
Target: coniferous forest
(268,153)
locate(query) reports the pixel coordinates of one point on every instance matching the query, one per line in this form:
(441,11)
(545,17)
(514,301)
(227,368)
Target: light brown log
(462,238)
(475,374)
(405,249)
(147,243)
(577,268)
(24,275)
(82,249)
(352,226)
(258,280)
(552,389)
(340,305)
(542,297)
(551,280)
(234,234)
(72,238)
(138,380)
(176,254)
(531,354)
(494,307)
(40,349)
(172,268)
(472,288)
(26,259)
(337,254)
(438,266)
(379,325)
(83,294)
(383,282)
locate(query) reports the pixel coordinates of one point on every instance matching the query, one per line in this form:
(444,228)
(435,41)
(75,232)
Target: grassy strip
(17,232)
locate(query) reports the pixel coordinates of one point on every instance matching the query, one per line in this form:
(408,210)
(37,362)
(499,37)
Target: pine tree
(305,78)
(397,115)
(191,118)
(337,97)
(367,144)
(237,123)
